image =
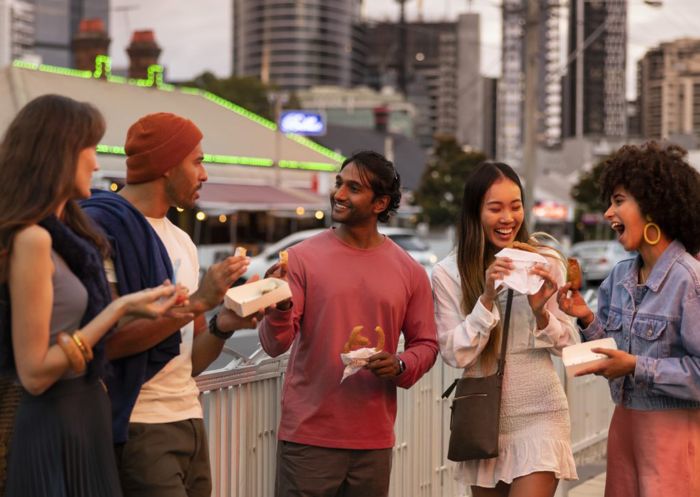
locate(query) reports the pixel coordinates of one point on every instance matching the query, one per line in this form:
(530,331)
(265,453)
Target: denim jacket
(659,322)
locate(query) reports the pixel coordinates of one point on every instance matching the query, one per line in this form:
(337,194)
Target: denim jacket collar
(658,272)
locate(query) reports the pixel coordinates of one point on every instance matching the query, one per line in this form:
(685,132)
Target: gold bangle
(73,353)
(83,345)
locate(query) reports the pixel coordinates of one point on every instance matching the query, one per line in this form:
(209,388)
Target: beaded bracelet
(83,345)
(73,353)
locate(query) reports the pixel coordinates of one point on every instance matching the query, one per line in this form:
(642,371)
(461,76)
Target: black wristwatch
(214,329)
(402,365)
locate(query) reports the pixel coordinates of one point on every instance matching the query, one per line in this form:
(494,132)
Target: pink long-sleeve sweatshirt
(336,287)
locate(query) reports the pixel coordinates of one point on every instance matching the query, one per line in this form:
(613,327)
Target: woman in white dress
(534,439)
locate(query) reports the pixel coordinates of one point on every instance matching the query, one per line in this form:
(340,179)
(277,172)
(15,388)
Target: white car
(404,238)
(597,258)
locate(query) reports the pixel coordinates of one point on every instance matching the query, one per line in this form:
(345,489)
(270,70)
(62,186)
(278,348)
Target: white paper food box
(579,356)
(247,299)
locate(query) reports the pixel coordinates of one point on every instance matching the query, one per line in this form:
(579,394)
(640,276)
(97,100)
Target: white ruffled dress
(535,432)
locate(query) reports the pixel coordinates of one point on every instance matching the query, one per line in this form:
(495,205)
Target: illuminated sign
(301,122)
(551,211)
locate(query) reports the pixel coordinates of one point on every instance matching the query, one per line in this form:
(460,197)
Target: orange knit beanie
(156,143)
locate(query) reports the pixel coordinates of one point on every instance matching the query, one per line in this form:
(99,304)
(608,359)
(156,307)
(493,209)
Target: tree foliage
(587,191)
(248,92)
(589,223)
(442,184)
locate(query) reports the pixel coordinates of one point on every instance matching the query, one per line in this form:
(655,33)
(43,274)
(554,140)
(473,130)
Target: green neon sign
(110,149)
(312,166)
(237,160)
(103,70)
(241,161)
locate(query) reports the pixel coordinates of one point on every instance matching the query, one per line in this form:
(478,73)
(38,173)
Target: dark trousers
(165,460)
(309,471)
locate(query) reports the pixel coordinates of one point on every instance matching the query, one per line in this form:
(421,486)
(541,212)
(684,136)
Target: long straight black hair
(474,251)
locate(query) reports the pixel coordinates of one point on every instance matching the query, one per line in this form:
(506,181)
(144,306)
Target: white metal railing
(242,409)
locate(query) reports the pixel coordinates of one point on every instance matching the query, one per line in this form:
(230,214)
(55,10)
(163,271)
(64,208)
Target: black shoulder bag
(476,408)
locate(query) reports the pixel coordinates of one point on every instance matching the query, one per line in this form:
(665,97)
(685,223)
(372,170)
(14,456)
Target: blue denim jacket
(659,322)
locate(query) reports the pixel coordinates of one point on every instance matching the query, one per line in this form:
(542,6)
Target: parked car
(597,258)
(405,238)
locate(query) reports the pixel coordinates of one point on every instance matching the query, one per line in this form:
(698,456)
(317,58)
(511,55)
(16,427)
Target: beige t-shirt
(172,394)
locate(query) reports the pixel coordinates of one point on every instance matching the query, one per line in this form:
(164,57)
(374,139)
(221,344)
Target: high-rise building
(441,67)
(469,87)
(489,113)
(16,30)
(300,44)
(511,99)
(600,108)
(57,21)
(668,89)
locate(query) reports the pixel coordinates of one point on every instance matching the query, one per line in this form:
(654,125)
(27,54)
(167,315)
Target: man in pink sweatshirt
(336,439)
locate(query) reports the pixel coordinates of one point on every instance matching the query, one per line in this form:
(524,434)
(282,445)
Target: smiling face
(86,166)
(625,217)
(352,199)
(502,213)
(184,181)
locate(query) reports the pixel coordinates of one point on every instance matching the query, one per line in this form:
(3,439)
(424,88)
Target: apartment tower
(300,44)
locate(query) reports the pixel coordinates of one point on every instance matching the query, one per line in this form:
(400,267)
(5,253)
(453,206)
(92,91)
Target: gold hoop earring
(646,235)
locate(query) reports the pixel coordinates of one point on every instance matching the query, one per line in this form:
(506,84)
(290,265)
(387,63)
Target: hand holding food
(357,352)
(150,303)
(572,303)
(499,269)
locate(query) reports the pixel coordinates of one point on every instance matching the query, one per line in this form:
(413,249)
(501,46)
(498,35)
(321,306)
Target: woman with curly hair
(650,305)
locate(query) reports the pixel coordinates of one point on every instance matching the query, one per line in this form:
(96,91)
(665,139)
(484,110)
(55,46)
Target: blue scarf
(140,261)
(85,261)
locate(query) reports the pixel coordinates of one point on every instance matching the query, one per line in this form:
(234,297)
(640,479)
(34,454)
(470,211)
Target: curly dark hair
(382,177)
(664,185)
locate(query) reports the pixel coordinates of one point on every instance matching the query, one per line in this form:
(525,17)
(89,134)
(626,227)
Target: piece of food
(380,338)
(524,246)
(284,258)
(356,340)
(183,295)
(573,273)
(240,251)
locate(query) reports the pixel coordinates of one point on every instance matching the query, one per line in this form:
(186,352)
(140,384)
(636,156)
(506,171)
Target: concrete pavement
(595,487)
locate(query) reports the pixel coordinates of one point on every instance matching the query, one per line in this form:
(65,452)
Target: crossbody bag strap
(447,392)
(504,338)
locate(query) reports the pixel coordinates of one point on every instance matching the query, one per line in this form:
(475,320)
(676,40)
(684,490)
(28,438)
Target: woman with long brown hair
(534,435)
(51,271)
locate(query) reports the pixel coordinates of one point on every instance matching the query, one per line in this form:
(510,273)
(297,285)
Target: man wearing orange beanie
(165,452)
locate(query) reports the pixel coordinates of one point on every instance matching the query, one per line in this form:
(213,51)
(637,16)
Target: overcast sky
(196,36)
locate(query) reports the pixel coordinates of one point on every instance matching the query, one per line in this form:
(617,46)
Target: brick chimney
(90,41)
(143,52)
(381,118)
